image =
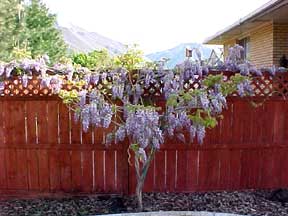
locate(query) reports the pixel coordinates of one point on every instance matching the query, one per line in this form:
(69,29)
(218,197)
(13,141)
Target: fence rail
(43,151)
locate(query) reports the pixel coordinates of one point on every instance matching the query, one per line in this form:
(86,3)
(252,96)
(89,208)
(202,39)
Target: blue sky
(153,24)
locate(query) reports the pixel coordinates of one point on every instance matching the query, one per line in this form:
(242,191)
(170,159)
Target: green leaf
(210,122)
(172,100)
(134,147)
(187,97)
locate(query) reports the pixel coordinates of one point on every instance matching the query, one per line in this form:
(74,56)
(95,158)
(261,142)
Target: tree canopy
(30,27)
(13,30)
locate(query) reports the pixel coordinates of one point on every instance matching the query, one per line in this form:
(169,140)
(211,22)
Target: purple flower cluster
(188,70)
(85,117)
(2,69)
(94,78)
(120,134)
(137,91)
(45,82)
(56,84)
(117,91)
(245,88)
(106,114)
(218,102)
(148,76)
(143,127)
(200,131)
(204,101)
(174,80)
(171,83)
(95,115)
(82,97)
(234,58)
(234,62)
(172,123)
(67,69)
(97,112)
(176,123)
(25,80)
(2,86)
(119,82)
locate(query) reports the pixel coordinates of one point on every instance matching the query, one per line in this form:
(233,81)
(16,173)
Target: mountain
(81,40)
(176,55)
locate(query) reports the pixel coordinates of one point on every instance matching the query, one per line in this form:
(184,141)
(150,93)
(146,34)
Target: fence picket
(99,171)
(33,167)
(66,171)
(160,171)
(42,122)
(87,170)
(55,170)
(76,171)
(192,170)
(44,179)
(3,176)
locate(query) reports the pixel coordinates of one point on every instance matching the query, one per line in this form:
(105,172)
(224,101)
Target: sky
(154,25)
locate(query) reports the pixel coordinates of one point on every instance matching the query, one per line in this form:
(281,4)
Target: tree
(43,36)
(94,60)
(137,115)
(12,28)
(29,28)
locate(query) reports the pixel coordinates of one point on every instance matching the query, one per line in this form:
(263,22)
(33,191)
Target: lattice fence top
(263,86)
(14,87)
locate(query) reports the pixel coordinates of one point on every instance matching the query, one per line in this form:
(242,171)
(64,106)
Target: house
(263,34)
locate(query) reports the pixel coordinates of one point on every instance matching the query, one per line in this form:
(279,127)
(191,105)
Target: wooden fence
(43,151)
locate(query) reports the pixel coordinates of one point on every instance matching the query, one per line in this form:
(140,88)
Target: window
(245,43)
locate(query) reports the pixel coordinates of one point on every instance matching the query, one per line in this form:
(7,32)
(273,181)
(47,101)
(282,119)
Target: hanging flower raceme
(143,126)
(234,58)
(94,78)
(45,82)
(82,97)
(2,69)
(200,132)
(204,101)
(171,85)
(36,65)
(218,102)
(118,91)
(120,134)
(56,84)
(244,88)
(25,80)
(91,109)
(85,117)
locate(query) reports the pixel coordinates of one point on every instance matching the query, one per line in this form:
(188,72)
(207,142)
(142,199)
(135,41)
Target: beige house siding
(280,32)
(261,45)
(261,42)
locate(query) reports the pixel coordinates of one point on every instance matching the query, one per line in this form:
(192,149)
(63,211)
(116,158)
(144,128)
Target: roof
(274,10)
